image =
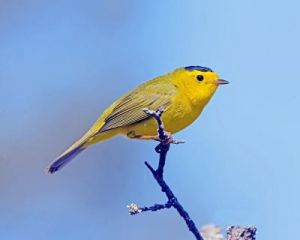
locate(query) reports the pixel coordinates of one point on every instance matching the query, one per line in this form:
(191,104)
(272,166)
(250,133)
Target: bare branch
(210,232)
(162,149)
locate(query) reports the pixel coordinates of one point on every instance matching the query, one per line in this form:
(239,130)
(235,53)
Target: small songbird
(182,94)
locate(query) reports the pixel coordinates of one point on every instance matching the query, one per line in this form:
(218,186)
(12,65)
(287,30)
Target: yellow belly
(175,118)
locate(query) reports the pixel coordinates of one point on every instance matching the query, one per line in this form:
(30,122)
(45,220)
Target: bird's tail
(63,159)
(69,154)
(89,138)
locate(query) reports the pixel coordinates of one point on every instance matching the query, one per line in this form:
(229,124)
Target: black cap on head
(199,68)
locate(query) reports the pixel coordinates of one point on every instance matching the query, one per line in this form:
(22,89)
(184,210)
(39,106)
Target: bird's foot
(167,139)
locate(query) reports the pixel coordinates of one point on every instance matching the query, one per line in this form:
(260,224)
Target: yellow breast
(185,108)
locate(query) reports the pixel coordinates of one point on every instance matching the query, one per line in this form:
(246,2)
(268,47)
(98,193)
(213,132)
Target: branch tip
(133,209)
(150,168)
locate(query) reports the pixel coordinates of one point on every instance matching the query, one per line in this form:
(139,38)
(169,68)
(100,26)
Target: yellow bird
(182,93)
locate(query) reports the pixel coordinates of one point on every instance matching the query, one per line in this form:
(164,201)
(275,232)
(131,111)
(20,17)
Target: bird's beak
(222,82)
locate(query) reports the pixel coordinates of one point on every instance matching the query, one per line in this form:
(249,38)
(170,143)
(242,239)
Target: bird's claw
(163,137)
(168,139)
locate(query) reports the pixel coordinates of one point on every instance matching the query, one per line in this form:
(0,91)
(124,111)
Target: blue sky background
(63,62)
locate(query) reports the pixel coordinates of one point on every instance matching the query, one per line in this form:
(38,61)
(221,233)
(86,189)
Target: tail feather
(70,153)
(85,141)
(62,160)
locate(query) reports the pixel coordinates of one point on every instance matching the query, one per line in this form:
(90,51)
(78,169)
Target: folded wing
(130,109)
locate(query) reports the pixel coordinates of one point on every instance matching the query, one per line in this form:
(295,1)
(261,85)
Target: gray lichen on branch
(214,232)
(241,233)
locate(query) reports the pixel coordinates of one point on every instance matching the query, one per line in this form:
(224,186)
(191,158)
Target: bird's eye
(200,78)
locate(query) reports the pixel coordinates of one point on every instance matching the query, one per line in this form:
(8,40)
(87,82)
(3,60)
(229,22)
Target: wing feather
(130,108)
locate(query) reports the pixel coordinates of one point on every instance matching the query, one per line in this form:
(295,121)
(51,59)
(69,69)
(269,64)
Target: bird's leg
(167,139)
(162,135)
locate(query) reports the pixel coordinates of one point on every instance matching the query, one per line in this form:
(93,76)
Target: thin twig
(162,149)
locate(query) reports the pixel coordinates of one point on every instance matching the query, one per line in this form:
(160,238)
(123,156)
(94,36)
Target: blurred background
(63,62)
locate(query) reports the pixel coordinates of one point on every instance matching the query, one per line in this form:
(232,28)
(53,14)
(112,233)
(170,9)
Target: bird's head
(198,82)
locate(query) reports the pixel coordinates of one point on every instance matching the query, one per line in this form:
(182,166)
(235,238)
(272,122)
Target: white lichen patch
(133,209)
